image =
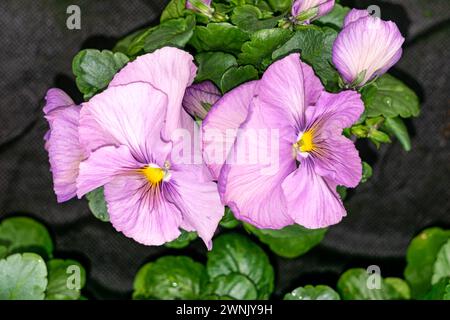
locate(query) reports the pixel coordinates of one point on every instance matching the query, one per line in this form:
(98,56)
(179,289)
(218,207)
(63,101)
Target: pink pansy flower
(311,154)
(366,48)
(199,98)
(129,132)
(202,6)
(304,11)
(64,149)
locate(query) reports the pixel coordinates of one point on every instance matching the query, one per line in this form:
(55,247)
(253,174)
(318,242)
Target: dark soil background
(408,192)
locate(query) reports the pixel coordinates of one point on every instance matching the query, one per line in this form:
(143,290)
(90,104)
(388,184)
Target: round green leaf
(421,256)
(183,240)
(212,66)
(229,221)
(399,287)
(95,69)
(222,37)
(236,76)
(233,285)
(309,292)
(21,234)
(234,253)
(97,204)
(175,9)
(291,241)
(441,268)
(61,282)
(354,285)
(250,19)
(389,97)
(23,277)
(170,278)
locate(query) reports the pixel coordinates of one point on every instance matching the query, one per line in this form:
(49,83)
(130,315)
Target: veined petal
(220,126)
(131,115)
(336,110)
(288,86)
(198,202)
(311,9)
(170,70)
(103,165)
(250,181)
(199,98)
(355,14)
(367,48)
(312,201)
(64,150)
(140,211)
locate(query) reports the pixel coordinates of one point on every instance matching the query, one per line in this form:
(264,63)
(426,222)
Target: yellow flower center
(305,144)
(153,174)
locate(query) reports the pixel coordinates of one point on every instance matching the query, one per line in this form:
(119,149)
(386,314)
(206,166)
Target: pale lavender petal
(140,212)
(289,86)
(198,201)
(316,8)
(56,98)
(220,125)
(250,181)
(199,98)
(312,201)
(325,8)
(336,110)
(355,14)
(64,150)
(103,165)
(369,46)
(190,6)
(170,70)
(131,115)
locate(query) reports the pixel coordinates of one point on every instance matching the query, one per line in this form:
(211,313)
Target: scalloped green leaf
(23,277)
(234,253)
(212,66)
(250,19)
(235,76)
(309,292)
(223,37)
(170,278)
(61,286)
(420,258)
(233,285)
(174,9)
(97,204)
(390,97)
(22,234)
(291,241)
(183,240)
(95,69)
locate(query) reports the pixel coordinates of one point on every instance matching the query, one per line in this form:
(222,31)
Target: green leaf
(309,292)
(441,268)
(222,37)
(212,66)
(291,241)
(342,191)
(21,234)
(175,33)
(439,290)
(366,172)
(94,69)
(170,278)
(353,285)
(229,221)
(23,277)
(183,240)
(3,251)
(234,253)
(397,127)
(258,51)
(175,9)
(236,76)
(97,204)
(336,17)
(399,286)
(60,273)
(280,5)
(389,97)
(133,44)
(421,256)
(233,285)
(315,45)
(250,19)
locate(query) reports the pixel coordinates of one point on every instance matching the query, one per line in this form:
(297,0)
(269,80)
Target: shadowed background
(408,192)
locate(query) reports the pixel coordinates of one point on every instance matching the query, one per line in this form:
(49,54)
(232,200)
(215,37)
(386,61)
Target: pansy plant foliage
(246,107)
